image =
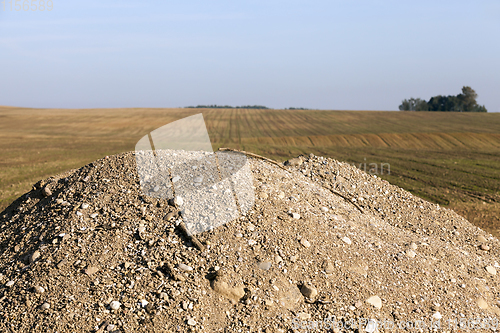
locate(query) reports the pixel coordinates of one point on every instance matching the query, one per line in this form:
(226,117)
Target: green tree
(413,104)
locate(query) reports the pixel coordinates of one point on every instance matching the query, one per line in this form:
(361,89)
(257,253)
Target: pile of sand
(324,244)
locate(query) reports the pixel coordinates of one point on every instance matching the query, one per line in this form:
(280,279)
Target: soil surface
(325,246)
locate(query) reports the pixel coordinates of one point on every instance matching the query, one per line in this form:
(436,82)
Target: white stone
(437,315)
(346,240)
(115,305)
(185,267)
(375,301)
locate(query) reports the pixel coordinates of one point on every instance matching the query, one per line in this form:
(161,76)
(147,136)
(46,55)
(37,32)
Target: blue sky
(353,55)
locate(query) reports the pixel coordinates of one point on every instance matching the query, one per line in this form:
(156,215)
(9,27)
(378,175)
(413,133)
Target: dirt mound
(324,245)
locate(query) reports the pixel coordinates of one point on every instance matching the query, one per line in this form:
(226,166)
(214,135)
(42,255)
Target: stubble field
(448,158)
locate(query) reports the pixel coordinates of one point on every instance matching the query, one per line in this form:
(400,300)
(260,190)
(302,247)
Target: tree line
(464,102)
(227,107)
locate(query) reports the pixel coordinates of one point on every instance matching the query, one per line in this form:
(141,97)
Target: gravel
(126,262)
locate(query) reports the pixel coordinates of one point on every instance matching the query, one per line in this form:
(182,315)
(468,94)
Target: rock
(45,306)
(10,283)
(178,201)
(324,209)
(265,265)
(295,216)
(90,270)
(34,256)
(303,316)
(85,206)
(39,289)
(141,229)
(46,191)
(482,303)
(413,246)
(221,286)
(110,328)
(264,196)
(437,315)
(410,254)
(281,195)
(170,216)
(482,239)
(328,267)
(114,305)
(309,291)
(375,301)
(346,240)
(184,267)
(305,242)
(484,247)
(491,270)
(191,322)
(297,161)
(143,303)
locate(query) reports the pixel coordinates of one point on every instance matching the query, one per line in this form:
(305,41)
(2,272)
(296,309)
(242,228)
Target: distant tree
(413,104)
(464,102)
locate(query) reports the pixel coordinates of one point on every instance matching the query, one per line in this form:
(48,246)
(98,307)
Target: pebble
(308,290)
(91,270)
(45,306)
(110,327)
(482,304)
(264,196)
(346,240)
(34,256)
(94,215)
(324,209)
(482,239)
(114,305)
(484,247)
(46,191)
(281,195)
(413,246)
(296,216)
(410,254)
(85,205)
(185,267)
(491,270)
(39,289)
(375,301)
(191,322)
(265,265)
(305,242)
(144,303)
(329,268)
(437,315)
(10,283)
(178,201)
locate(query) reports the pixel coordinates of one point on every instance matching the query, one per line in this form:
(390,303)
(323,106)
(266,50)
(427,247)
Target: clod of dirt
(323,240)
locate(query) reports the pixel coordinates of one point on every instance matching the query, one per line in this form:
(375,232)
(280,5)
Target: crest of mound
(86,251)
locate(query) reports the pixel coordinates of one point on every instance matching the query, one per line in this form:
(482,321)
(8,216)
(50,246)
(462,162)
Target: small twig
(282,167)
(256,156)
(191,237)
(346,198)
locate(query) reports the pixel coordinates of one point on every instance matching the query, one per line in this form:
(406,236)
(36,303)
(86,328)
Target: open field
(449,158)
